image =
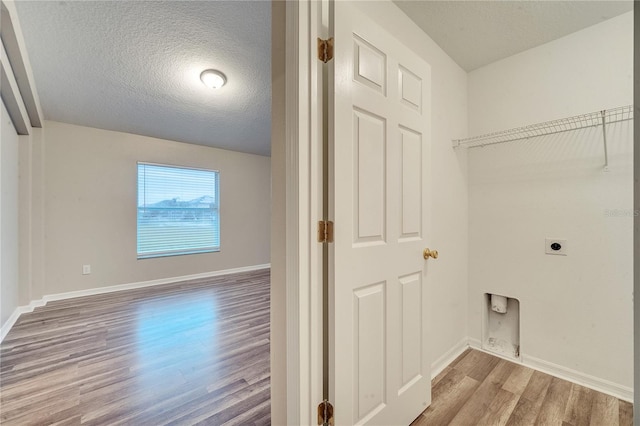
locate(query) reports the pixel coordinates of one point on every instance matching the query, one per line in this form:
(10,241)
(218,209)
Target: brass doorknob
(430,253)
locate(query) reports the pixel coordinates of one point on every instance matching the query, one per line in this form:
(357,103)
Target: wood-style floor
(195,352)
(480,389)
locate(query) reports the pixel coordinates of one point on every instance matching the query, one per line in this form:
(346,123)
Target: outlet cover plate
(86,269)
(556,246)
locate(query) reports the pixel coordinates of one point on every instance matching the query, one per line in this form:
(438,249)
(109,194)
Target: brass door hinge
(325,413)
(325,49)
(325,231)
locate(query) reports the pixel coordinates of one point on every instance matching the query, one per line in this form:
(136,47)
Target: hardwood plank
(604,410)
(234,405)
(499,409)
(254,414)
(518,380)
(537,387)
(578,411)
(501,372)
(440,376)
(169,411)
(477,365)
(444,385)
(528,406)
(449,401)
(480,400)
(467,361)
(626,413)
(69,421)
(554,404)
(59,407)
(460,357)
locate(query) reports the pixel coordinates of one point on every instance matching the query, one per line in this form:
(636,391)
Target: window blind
(178,210)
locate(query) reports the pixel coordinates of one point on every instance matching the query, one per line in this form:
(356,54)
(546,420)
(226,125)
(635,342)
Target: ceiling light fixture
(213,79)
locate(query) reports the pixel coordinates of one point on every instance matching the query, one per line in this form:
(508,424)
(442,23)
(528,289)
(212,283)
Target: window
(178,211)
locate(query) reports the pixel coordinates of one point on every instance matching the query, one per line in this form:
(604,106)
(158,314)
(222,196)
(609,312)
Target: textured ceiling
(477,33)
(134,66)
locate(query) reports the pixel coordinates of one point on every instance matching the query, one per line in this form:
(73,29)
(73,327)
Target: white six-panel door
(379,108)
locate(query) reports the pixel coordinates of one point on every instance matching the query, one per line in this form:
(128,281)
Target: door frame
(303,269)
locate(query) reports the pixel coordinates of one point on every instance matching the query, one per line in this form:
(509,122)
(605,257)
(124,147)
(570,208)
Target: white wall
(31,220)
(583,72)
(90,208)
(9,289)
(448,284)
(576,311)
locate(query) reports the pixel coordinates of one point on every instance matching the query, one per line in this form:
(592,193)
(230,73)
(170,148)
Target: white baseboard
(110,289)
(475,343)
(448,357)
(10,322)
(150,283)
(564,373)
(595,383)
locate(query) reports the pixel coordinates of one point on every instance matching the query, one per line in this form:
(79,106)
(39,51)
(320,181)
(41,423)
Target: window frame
(182,252)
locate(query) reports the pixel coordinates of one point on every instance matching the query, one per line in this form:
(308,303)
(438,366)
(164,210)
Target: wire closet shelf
(593,119)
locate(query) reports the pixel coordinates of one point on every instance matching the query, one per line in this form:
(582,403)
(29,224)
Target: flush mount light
(213,79)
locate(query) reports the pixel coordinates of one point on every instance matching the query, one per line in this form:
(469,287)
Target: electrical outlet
(555,246)
(86,269)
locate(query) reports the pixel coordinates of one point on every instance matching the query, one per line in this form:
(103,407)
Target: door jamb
(303,150)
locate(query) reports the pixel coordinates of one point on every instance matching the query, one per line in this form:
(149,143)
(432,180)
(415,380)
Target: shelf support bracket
(604,139)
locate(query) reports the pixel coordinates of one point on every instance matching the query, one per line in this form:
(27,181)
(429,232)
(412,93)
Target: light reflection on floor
(175,330)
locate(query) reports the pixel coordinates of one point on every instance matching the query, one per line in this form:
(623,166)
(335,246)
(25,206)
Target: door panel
(369,343)
(379,171)
(411,297)
(410,89)
(411,167)
(369,142)
(370,65)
